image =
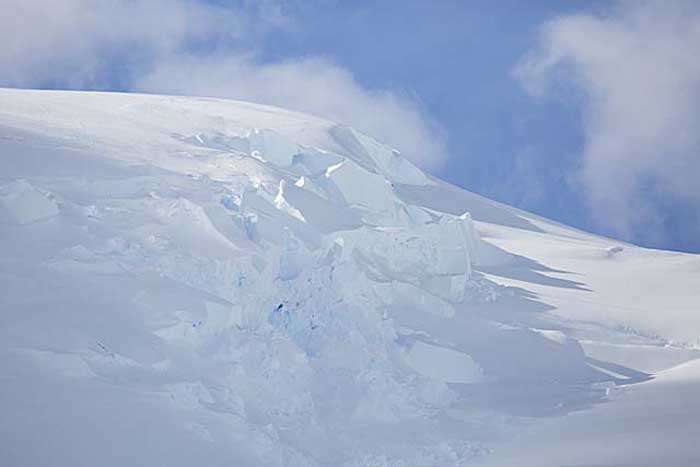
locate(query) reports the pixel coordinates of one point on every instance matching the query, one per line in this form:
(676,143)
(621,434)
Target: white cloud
(73,42)
(189,47)
(640,73)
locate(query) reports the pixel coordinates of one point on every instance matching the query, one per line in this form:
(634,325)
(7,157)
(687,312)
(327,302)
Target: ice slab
(444,364)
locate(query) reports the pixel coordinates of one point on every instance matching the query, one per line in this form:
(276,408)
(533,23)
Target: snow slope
(650,424)
(192,281)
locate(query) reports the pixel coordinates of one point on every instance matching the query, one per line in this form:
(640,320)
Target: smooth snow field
(202,282)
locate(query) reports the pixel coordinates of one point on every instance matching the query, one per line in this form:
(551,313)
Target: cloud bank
(78,43)
(190,47)
(639,71)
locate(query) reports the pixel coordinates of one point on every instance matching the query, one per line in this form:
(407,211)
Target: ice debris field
(190,281)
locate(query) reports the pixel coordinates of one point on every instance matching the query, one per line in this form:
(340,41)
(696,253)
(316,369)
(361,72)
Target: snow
(24,204)
(443,364)
(653,423)
(196,281)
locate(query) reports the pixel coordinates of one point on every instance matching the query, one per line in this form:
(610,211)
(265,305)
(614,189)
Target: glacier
(190,281)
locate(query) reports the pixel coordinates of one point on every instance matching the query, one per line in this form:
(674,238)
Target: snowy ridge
(269,288)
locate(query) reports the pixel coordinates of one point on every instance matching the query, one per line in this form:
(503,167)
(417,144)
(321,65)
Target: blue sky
(575,110)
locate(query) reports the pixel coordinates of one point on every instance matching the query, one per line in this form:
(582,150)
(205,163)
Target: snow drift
(206,282)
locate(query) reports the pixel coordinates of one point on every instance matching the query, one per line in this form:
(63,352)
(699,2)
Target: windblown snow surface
(200,282)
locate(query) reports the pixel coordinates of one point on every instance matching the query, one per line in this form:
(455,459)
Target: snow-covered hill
(192,281)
